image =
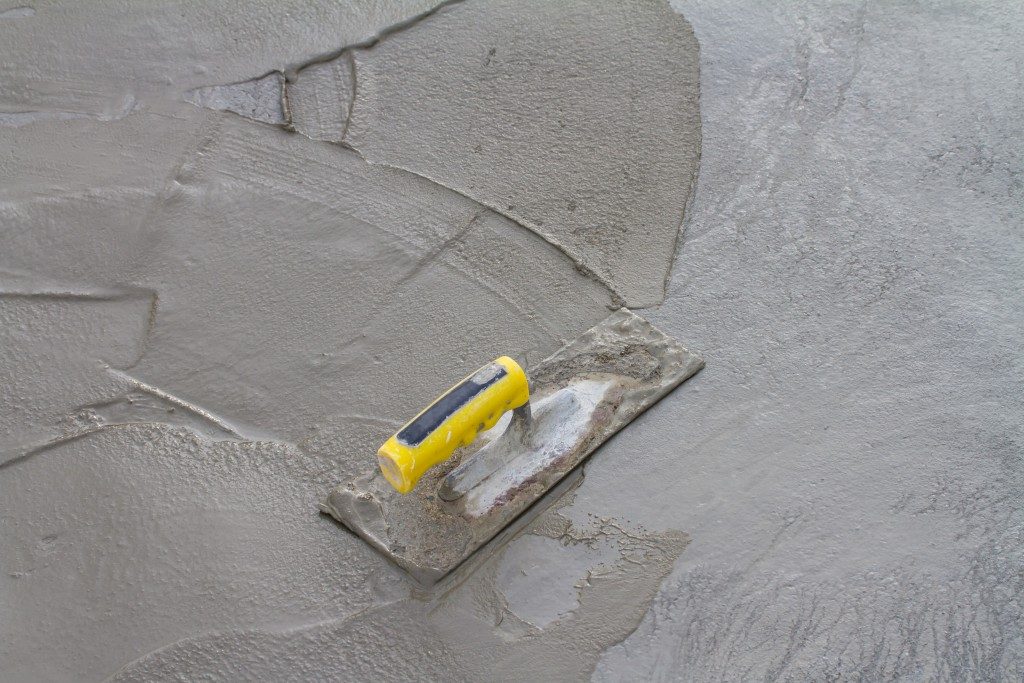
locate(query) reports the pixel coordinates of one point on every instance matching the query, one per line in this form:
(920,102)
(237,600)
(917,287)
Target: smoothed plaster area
(576,120)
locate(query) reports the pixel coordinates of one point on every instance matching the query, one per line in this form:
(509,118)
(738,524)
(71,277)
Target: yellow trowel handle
(473,405)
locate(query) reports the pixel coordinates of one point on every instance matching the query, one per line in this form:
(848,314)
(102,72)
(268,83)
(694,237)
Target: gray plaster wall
(851,475)
(209,316)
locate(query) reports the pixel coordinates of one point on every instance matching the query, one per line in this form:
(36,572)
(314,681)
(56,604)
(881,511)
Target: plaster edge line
(147,333)
(8,460)
(181,403)
(680,238)
(286,108)
(650,604)
(617,300)
(375,38)
(291,630)
(102,294)
(114,294)
(288,73)
(32,451)
(352,100)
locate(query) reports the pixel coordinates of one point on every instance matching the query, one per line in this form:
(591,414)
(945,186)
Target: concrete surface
(208,321)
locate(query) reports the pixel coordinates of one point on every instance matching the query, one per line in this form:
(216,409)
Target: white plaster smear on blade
(557,425)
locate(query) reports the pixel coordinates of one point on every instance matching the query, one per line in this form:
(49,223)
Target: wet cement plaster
(481,630)
(206,325)
(209,322)
(577,121)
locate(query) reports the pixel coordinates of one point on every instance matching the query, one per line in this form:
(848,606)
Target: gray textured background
(837,495)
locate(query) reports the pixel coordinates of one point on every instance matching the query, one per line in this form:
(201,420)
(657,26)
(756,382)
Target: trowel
(485,457)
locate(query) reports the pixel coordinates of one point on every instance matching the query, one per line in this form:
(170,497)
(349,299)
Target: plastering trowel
(439,493)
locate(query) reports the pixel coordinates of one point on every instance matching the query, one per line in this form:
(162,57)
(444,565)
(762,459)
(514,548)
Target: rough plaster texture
(852,472)
(837,495)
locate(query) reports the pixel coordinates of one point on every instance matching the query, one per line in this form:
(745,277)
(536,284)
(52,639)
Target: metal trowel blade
(580,396)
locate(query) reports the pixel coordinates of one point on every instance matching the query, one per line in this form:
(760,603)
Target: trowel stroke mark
(475,252)
(141,404)
(114,112)
(87,294)
(31,290)
(221,425)
(23,12)
(28,305)
(343,248)
(338,649)
(604,173)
